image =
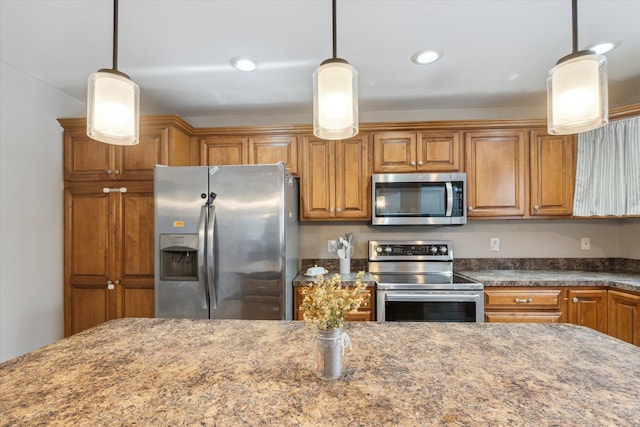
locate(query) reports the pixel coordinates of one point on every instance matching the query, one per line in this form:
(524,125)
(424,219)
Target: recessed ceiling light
(243,64)
(604,47)
(426,56)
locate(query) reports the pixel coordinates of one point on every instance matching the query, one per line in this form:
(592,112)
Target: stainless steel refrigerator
(226,242)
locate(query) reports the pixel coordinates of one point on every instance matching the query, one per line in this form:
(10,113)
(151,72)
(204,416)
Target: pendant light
(577,99)
(113,101)
(335,96)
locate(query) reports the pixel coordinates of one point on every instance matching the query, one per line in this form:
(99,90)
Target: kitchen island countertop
(152,372)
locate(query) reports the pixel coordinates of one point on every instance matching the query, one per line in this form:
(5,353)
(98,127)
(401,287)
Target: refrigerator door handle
(211,258)
(202,278)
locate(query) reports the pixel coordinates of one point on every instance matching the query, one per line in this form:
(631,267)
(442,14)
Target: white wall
(31,211)
(518,238)
(630,238)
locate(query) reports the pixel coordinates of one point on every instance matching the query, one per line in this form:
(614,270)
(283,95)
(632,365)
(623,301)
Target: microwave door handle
(449,188)
(202,278)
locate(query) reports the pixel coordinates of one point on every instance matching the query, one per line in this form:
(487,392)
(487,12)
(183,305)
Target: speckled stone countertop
(160,372)
(346,279)
(624,281)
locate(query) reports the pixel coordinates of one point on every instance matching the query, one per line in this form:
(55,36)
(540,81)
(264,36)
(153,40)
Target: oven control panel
(393,250)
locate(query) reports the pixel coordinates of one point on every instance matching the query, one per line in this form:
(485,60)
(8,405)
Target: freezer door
(249,242)
(179,242)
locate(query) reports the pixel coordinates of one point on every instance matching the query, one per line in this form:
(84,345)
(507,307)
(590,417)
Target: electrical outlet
(585,244)
(495,244)
(332,246)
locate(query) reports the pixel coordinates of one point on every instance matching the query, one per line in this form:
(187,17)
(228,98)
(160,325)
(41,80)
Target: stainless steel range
(416,283)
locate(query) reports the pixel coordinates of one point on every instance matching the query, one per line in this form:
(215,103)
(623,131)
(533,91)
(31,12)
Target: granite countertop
(623,281)
(346,279)
(152,372)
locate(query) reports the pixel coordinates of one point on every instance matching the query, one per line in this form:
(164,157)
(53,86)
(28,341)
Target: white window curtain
(608,170)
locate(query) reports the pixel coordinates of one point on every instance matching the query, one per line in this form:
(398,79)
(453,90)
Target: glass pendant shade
(113,108)
(577,95)
(335,100)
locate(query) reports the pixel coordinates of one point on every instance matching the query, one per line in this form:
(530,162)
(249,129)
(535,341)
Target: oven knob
(434,249)
(443,250)
(379,249)
(388,250)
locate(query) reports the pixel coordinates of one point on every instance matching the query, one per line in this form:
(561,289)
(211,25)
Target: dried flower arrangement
(326,301)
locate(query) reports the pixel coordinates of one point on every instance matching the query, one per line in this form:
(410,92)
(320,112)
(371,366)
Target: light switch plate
(331,246)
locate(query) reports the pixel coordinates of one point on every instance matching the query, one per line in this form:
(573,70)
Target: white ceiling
(497,53)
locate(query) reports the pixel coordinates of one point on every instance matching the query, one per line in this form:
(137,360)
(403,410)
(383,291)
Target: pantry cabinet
(426,151)
(335,179)
(366,311)
(523,304)
(552,180)
(588,307)
(497,167)
(109,253)
(624,316)
(164,140)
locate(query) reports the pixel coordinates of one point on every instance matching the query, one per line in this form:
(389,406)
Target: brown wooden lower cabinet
(109,253)
(366,312)
(624,316)
(523,304)
(588,307)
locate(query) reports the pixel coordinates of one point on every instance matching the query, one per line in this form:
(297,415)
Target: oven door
(430,306)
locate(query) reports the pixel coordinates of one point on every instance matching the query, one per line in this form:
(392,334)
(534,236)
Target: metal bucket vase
(328,353)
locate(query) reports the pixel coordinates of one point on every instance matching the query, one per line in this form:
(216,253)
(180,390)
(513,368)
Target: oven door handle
(420,297)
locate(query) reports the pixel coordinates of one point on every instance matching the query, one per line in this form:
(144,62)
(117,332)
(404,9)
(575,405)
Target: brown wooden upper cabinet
(86,159)
(427,151)
(553,167)
(335,179)
(497,167)
(256,150)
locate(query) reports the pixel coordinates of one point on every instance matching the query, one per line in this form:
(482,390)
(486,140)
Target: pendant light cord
(335,44)
(574,21)
(115,35)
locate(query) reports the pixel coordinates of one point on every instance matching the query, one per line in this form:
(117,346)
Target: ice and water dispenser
(179,257)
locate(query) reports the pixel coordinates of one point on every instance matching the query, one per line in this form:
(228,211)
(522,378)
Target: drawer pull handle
(526,301)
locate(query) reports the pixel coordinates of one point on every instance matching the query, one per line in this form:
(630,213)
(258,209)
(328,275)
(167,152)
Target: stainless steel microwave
(419,199)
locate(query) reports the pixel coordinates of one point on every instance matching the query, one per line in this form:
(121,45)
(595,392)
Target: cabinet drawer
(523,316)
(522,299)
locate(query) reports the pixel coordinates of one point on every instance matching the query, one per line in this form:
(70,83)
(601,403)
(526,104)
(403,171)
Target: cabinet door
(222,150)
(317,189)
(352,178)
(588,308)
(394,152)
(496,162)
(86,159)
(624,316)
(89,257)
(552,173)
(136,162)
(270,149)
(134,270)
(439,151)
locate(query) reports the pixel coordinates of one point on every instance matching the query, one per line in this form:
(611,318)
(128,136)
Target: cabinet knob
(526,301)
(330,209)
(413,163)
(109,171)
(536,207)
(575,299)
(117,172)
(338,210)
(470,208)
(117,282)
(110,285)
(420,163)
